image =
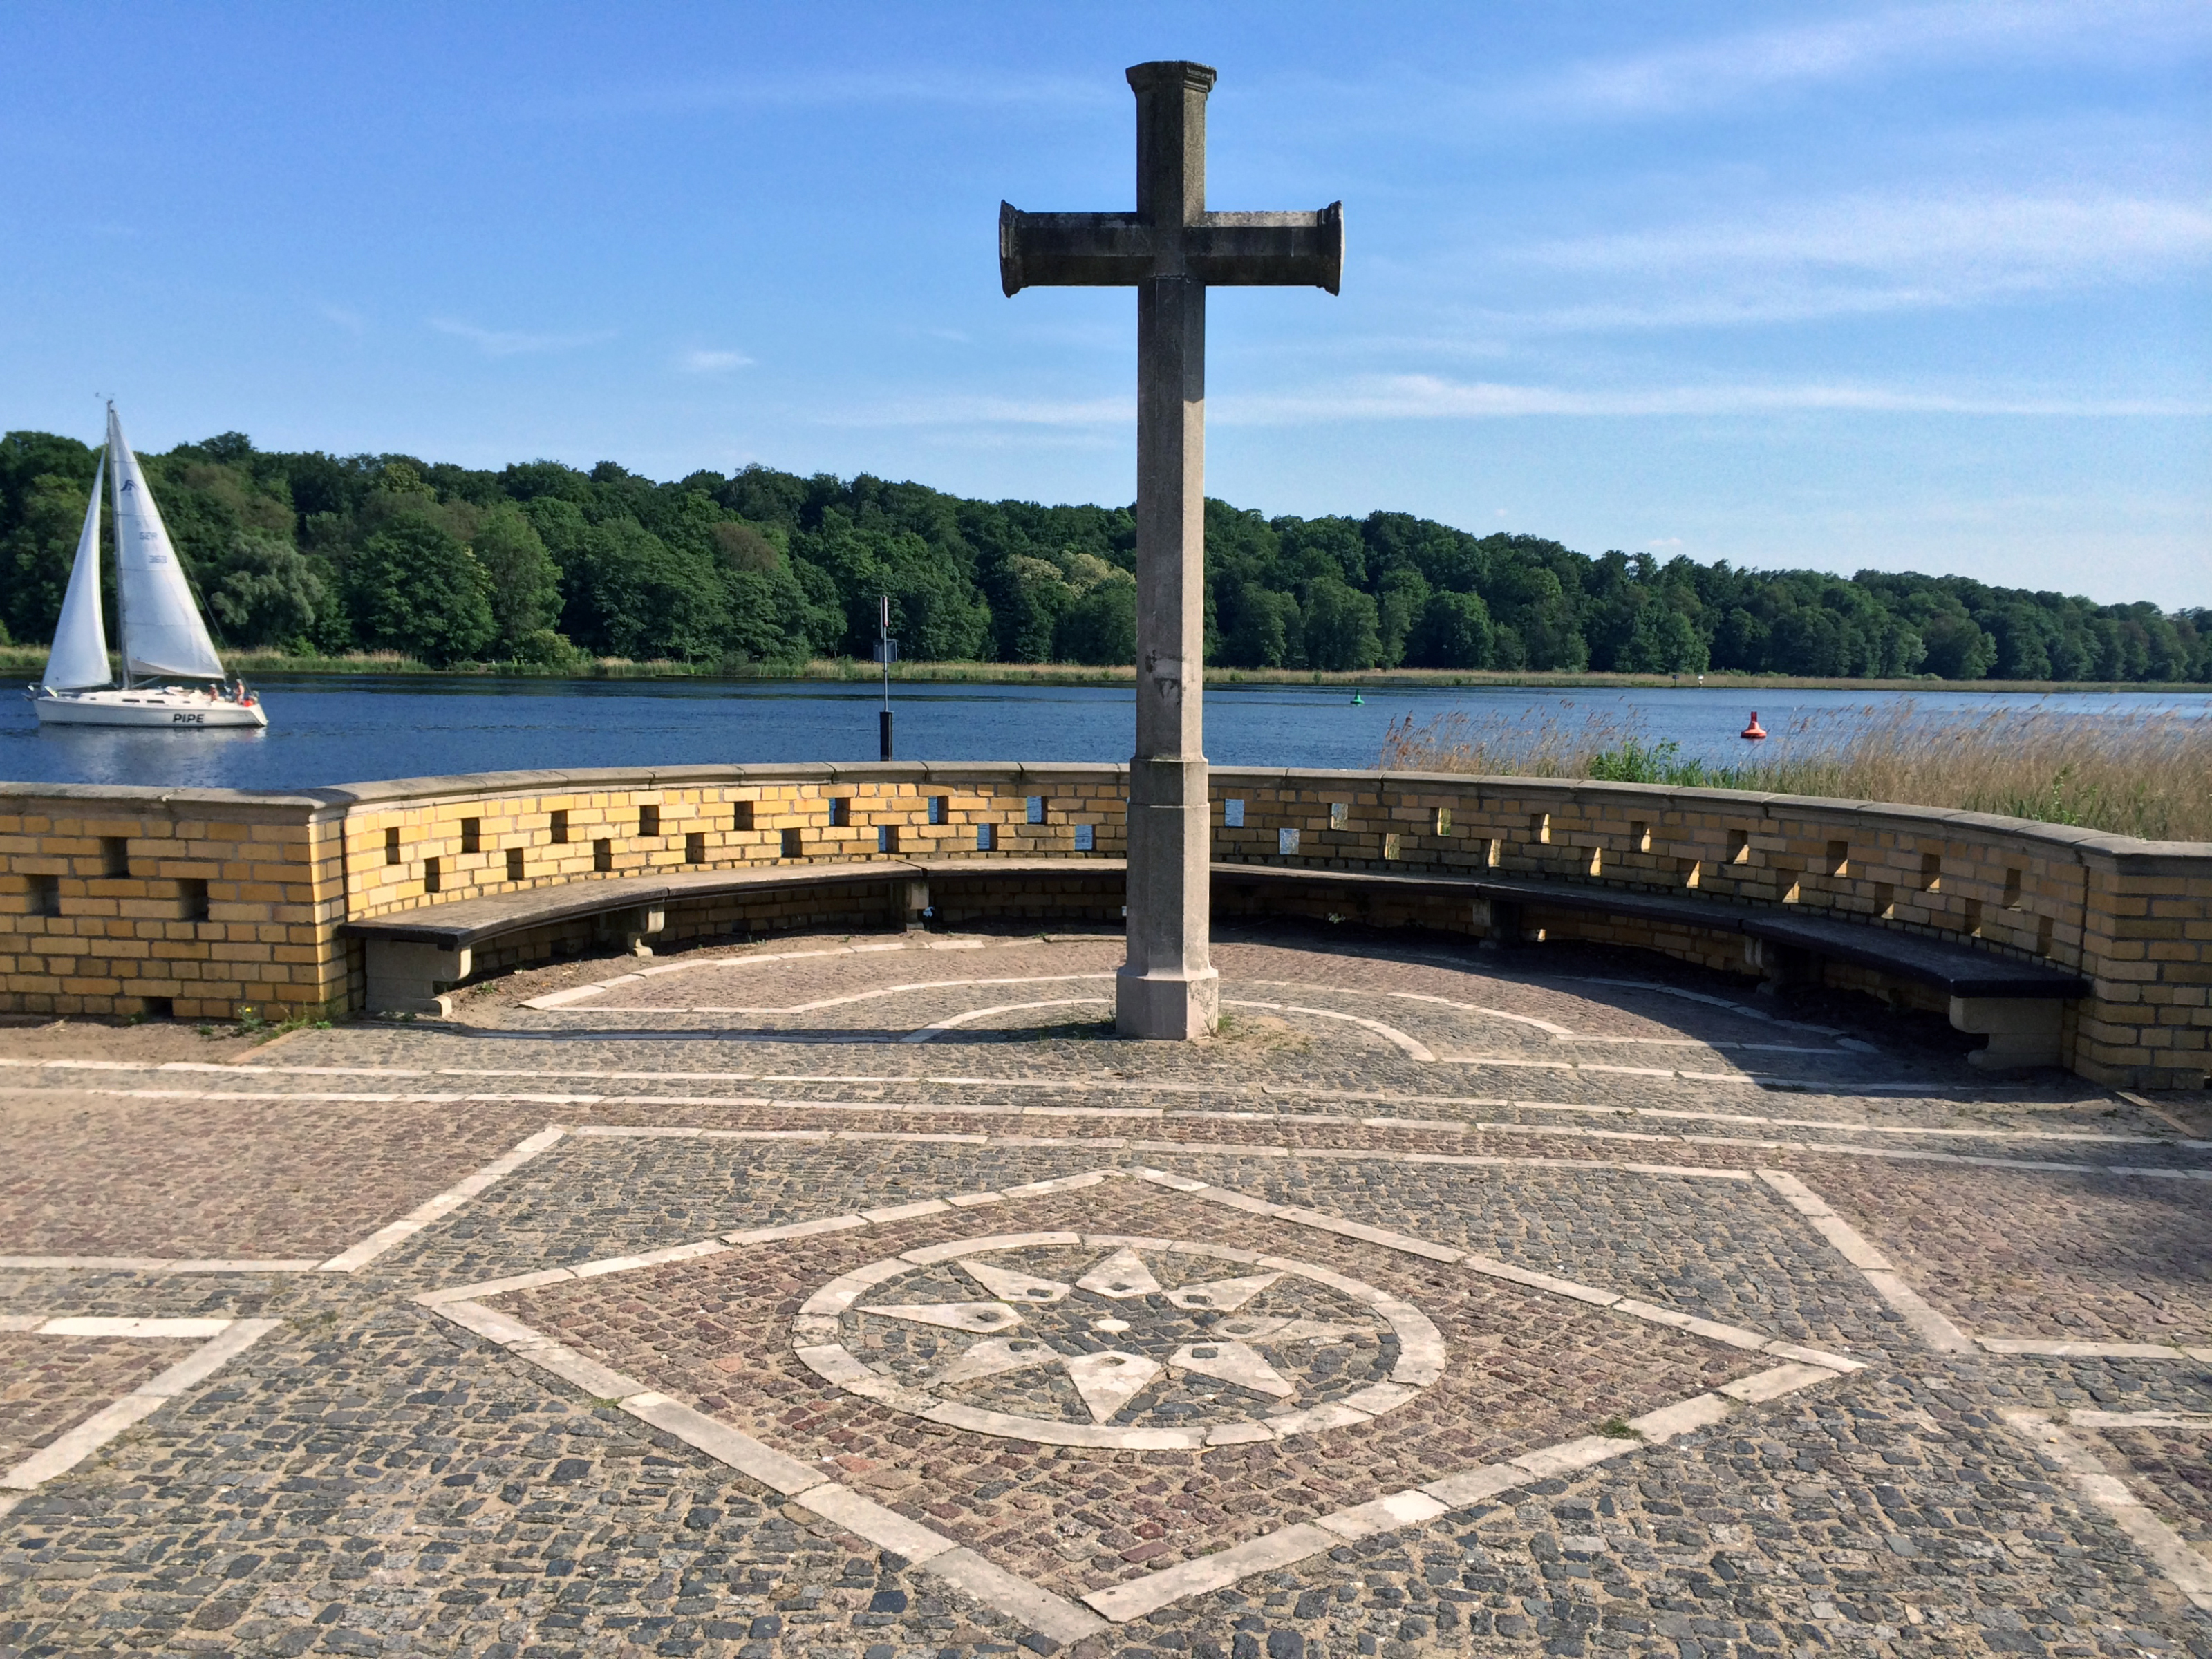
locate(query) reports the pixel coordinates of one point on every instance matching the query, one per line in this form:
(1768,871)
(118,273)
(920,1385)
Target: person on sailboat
(162,631)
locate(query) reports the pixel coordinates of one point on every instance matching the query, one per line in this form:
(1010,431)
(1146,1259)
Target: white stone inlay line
(230,1337)
(398,1233)
(1543,1026)
(836,1002)
(165,1330)
(1270,1551)
(1052,1616)
(829,1223)
(1734,1336)
(1123,1085)
(1935,1328)
(927,1032)
(1389,1034)
(554,999)
(147,1264)
(2189,1571)
(2059,1348)
(1409,1125)
(2081,1420)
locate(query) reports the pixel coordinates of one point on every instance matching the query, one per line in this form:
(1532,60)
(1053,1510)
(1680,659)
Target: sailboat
(163,633)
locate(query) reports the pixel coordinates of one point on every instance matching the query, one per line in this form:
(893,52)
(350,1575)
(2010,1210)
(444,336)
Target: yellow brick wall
(390,842)
(2133,917)
(191,902)
(280,872)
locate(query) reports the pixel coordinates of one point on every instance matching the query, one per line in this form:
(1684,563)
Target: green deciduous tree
(1452,631)
(632,595)
(413,588)
(1101,625)
(1267,632)
(265,592)
(1342,630)
(526,582)
(37,550)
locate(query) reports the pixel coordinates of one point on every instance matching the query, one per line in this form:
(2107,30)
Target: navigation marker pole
(886,654)
(1170,250)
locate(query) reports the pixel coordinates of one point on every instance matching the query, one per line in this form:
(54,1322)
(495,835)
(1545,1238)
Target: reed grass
(2147,774)
(21,663)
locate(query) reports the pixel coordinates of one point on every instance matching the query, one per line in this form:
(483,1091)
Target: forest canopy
(539,563)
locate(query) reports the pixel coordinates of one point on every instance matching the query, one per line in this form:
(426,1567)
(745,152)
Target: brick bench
(2018,1005)
(414,956)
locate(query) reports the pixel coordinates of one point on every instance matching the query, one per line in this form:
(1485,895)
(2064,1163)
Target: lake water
(331,730)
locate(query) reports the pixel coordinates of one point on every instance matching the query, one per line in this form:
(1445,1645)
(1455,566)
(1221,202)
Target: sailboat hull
(165,707)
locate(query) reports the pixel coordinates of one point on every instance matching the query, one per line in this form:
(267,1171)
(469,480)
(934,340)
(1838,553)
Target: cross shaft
(1170,250)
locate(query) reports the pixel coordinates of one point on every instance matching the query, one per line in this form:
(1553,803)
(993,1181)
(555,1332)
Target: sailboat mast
(115,517)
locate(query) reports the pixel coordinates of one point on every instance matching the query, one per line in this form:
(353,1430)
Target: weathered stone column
(1168,987)
(1169,250)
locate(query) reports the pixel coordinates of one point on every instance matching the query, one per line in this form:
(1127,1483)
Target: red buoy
(1754,732)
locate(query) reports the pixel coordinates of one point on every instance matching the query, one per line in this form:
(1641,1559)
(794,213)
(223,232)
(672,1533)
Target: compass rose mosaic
(1108,1339)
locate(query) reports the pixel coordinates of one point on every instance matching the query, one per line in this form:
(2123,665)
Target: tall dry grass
(2146,774)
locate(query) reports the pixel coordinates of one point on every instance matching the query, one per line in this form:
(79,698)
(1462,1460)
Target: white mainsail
(162,633)
(80,653)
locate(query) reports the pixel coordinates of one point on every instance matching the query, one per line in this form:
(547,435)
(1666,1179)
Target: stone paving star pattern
(347,1471)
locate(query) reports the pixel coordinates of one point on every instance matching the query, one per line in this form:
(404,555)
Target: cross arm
(1120,250)
(1072,250)
(1268,249)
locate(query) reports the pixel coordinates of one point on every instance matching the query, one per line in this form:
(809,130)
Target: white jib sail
(80,654)
(162,633)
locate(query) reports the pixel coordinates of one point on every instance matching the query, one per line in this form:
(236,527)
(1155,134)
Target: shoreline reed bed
(23,663)
(2148,776)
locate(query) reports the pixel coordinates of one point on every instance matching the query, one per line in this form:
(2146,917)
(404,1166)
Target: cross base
(1172,1007)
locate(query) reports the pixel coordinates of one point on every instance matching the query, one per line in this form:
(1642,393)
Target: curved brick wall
(192,901)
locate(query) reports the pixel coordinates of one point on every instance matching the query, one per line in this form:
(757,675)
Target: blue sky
(1923,287)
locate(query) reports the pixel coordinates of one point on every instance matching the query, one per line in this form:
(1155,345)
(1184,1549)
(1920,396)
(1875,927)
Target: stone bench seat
(413,955)
(2017,1005)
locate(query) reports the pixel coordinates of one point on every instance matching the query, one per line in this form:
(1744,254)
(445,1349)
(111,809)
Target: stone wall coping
(1732,802)
(302,805)
(2137,856)
(409,791)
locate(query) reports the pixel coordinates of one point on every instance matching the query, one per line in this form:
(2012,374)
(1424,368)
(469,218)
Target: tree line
(539,563)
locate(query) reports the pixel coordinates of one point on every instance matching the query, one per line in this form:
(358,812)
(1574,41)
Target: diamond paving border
(1056,1616)
(2183,1563)
(226,1338)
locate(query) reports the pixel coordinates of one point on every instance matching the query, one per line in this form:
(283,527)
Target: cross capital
(1171,233)
(1171,142)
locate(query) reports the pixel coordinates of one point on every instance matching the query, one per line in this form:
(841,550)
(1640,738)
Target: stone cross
(1170,250)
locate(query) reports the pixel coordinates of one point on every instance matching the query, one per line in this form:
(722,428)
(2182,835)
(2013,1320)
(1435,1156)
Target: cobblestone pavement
(49,1384)
(1656,1317)
(2171,1465)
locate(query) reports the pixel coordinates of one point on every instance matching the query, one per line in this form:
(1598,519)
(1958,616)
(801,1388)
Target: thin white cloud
(1732,69)
(828,91)
(504,342)
(1426,397)
(979,411)
(1869,254)
(351,321)
(1429,397)
(712,362)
